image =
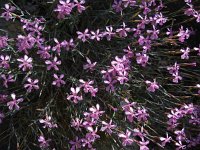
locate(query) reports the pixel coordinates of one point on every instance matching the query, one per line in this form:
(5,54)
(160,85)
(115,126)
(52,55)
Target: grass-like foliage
(99,74)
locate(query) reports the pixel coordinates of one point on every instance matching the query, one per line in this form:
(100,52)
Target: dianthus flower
(53,64)
(7,79)
(126,140)
(8,12)
(4,61)
(58,80)
(14,104)
(74,95)
(26,63)
(31,85)
(3,41)
(153,86)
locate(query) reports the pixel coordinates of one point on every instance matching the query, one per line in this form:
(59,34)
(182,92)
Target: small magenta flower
(3,41)
(14,103)
(25,42)
(44,52)
(143,144)
(2,116)
(74,95)
(117,6)
(89,66)
(83,36)
(87,87)
(58,46)
(77,123)
(96,35)
(48,123)
(68,44)
(126,140)
(141,114)
(109,33)
(79,5)
(123,31)
(127,3)
(26,63)
(185,52)
(53,64)
(58,80)
(180,146)
(4,61)
(76,144)
(108,127)
(142,59)
(31,85)
(183,34)
(7,79)
(176,77)
(165,140)
(95,112)
(64,8)
(43,143)
(153,86)
(180,135)
(8,12)
(198,86)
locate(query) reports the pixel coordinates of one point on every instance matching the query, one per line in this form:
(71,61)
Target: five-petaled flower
(14,103)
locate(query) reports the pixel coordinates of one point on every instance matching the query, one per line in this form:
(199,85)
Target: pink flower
(58,82)
(183,34)
(7,79)
(77,123)
(43,143)
(53,64)
(180,146)
(143,145)
(26,63)
(83,36)
(4,61)
(79,5)
(153,86)
(74,95)
(109,33)
(127,3)
(76,144)
(95,112)
(87,87)
(44,52)
(58,46)
(142,59)
(180,135)
(64,8)
(33,84)
(48,123)
(3,41)
(176,77)
(126,140)
(185,52)
(117,6)
(165,140)
(14,103)
(89,66)
(108,127)
(96,35)
(25,42)
(8,12)
(123,31)
(68,45)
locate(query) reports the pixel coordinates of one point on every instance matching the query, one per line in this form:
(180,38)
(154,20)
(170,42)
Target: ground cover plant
(99,74)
